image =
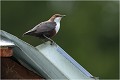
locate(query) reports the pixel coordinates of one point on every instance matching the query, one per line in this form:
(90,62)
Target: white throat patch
(57,20)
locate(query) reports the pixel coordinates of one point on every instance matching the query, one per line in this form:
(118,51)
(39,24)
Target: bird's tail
(23,34)
(26,33)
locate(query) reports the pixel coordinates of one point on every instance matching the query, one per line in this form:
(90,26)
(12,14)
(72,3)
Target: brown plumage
(46,29)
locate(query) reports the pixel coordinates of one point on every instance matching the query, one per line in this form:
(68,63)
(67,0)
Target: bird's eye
(57,16)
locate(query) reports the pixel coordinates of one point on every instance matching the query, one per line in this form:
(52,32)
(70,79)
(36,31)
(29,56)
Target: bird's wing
(44,27)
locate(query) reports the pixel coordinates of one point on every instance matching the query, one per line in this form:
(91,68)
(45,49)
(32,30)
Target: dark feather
(43,27)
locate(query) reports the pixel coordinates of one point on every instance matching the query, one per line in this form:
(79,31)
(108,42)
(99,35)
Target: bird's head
(56,17)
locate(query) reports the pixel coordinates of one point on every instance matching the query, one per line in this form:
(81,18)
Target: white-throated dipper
(46,29)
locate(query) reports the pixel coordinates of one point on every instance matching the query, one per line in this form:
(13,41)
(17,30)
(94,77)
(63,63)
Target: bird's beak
(63,15)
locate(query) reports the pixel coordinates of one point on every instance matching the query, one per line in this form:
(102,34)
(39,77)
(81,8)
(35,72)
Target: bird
(47,29)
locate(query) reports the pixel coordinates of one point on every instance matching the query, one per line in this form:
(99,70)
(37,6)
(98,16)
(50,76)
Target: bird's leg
(49,39)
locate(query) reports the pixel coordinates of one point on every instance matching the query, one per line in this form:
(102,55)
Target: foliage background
(89,32)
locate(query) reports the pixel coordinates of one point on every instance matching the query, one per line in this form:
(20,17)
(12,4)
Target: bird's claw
(52,42)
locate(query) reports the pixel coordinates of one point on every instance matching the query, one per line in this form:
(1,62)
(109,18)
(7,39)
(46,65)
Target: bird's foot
(52,42)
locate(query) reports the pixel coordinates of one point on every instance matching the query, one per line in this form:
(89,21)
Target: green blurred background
(89,32)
